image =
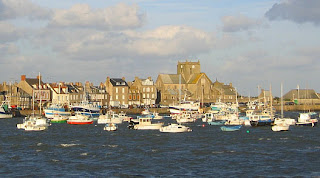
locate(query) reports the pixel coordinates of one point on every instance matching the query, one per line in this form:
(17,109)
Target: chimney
(230,84)
(39,77)
(123,78)
(23,77)
(149,78)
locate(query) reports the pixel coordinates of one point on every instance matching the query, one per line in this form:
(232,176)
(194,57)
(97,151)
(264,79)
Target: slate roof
(33,81)
(118,82)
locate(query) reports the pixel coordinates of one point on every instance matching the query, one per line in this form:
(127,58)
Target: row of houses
(188,83)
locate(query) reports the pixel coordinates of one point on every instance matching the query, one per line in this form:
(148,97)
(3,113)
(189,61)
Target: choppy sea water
(88,150)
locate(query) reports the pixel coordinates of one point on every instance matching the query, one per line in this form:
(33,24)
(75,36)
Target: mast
(180,93)
(281,101)
(271,98)
(40,93)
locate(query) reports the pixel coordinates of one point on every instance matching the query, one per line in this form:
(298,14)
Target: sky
(251,44)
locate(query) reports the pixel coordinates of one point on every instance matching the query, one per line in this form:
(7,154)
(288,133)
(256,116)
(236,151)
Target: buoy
(248,131)
(203,125)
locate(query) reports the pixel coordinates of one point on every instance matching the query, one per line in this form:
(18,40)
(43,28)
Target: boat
(175,128)
(124,117)
(231,128)
(217,122)
(109,117)
(110,127)
(156,115)
(308,119)
(280,127)
(54,109)
(79,119)
(146,111)
(34,123)
(145,123)
(184,118)
(59,119)
(184,106)
(209,117)
(5,110)
(86,108)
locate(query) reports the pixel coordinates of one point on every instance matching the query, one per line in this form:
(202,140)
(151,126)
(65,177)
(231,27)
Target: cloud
(120,16)
(89,44)
(12,9)
(238,23)
(8,49)
(8,32)
(298,11)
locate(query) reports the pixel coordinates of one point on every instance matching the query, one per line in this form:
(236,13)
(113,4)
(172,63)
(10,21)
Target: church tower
(188,69)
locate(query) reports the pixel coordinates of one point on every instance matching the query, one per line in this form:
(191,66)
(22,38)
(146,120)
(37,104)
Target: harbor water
(87,150)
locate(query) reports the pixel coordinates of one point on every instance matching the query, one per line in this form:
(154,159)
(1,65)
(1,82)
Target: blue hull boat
(231,128)
(216,123)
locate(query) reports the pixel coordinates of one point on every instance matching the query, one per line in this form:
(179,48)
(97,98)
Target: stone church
(190,84)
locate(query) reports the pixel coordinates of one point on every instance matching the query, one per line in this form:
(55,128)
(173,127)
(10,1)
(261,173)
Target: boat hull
(80,122)
(230,128)
(260,123)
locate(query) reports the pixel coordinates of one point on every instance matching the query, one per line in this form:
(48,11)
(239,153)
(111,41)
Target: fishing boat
(124,116)
(55,109)
(109,117)
(184,106)
(145,123)
(86,108)
(175,128)
(5,111)
(59,119)
(231,128)
(110,127)
(308,119)
(79,119)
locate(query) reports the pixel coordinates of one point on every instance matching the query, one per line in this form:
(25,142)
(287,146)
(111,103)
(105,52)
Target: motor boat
(175,128)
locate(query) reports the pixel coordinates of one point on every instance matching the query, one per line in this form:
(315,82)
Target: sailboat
(34,122)
(281,124)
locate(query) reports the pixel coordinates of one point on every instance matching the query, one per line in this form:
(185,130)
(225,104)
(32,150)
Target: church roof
(171,79)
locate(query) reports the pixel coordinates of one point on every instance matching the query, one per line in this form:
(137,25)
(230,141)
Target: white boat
(280,127)
(5,110)
(146,111)
(175,128)
(209,117)
(124,117)
(156,115)
(184,118)
(109,117)
(145,123)
(287,121)
(34,123)
(79,119)
(110,127)
(308,119)
(55,109)
(184,106)
(234,119)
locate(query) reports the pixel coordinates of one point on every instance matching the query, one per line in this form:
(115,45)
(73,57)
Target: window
(144,95)
(123,97)
(116,90)
(134,97)
(130,97)
(152,96)
(144,90)
(152,89)
(117,97)
(148,95)
(148,89)
(122,90)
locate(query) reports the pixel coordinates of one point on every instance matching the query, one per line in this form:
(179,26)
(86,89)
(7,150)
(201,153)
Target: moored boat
(308,119)
(280,127)
(231,128)
(110,127)
(79,119)
(146,124)
(5,111)
(175,128)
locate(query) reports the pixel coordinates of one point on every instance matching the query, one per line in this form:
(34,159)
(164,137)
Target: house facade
(142,92)
(118,90)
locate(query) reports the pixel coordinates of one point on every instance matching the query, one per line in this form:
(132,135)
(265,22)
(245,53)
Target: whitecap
(84,154)
(39,144)
(113,146)
(69,145)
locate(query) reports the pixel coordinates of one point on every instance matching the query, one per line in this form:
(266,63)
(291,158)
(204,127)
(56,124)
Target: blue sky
(248,43)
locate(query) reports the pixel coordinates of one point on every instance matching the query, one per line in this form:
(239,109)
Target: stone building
(302,96)
(118,90)
(36,88)
(142,92)
(190,84)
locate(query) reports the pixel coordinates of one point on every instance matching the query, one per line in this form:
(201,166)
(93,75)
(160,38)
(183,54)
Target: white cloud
(238,23)
(120,16)
(11,9)
(299,11)
(85,44)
